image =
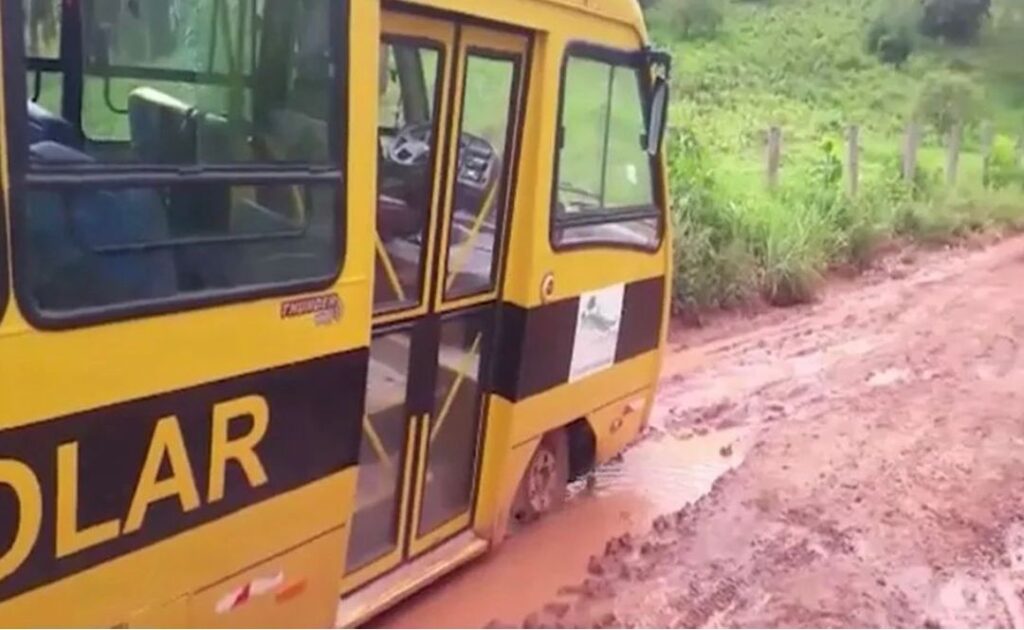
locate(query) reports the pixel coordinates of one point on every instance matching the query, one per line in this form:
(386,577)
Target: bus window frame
(20,176)
(615,57)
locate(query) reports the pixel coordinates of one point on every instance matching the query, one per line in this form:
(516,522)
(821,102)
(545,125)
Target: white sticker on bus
(597,331)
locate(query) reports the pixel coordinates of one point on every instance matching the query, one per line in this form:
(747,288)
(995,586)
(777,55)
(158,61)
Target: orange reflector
(288,591)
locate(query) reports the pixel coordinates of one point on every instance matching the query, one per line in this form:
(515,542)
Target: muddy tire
(544,484)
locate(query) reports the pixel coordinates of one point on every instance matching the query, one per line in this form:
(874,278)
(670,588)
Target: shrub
(709,275)
(796,233)
(790,240)
(947,99)
(955,21)
(1002,167)
(1003,53)
(827,171)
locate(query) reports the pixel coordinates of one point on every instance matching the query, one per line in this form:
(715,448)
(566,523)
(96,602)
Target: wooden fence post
(853,160)
(911,143)
(774,156)
(987,139)
(953,155)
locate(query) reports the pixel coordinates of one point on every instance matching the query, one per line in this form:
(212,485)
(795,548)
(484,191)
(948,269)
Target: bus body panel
(158,575)
(101,390)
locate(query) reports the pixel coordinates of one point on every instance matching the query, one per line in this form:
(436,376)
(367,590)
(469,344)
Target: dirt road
(885,481)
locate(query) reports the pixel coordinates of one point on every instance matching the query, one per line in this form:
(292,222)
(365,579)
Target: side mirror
(657,117)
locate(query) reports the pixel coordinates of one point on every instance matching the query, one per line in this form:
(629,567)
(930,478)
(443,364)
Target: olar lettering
(166,474)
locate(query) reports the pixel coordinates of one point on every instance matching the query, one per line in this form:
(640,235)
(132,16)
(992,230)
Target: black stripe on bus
(314,422)
(535,346)
(642,308)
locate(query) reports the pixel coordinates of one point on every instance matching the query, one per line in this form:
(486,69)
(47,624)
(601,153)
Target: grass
(801,65)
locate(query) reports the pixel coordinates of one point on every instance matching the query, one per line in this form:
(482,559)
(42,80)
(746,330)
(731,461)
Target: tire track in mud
(885,487)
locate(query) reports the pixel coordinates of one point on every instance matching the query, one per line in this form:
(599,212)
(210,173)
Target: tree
(955,21)
(1003,60)
(948,99)
(891,36)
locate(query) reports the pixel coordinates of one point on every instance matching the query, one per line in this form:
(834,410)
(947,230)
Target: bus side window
(608,200)
(247,88)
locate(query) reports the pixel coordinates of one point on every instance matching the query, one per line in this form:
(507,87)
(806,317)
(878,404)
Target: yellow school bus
(303,302)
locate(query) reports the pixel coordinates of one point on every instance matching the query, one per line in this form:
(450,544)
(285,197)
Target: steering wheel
(412,145)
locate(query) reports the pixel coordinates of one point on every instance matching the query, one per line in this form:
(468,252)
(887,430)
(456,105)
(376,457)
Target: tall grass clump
(790,240)
(713,264)
(733,245)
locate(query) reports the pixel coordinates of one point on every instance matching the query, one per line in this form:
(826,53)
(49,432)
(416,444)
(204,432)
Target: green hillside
(804,65)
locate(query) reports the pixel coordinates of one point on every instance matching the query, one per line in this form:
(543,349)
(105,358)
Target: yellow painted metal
(501,469)
(617,423)
(300,579)
(178,566)
(552,15)
(422,431)
(170,615)
(515,429)
(107,364)
(439,534)
(359,607)
(560,406)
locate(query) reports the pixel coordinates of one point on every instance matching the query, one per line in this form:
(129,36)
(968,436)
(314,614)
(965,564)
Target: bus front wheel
(544,484)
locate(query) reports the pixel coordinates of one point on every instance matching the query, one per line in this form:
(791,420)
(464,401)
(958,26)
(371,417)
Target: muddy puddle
(659,475)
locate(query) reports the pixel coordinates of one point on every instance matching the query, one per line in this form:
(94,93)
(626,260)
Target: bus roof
(627,12)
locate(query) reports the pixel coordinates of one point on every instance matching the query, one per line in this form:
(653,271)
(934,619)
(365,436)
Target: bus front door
(450,102)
